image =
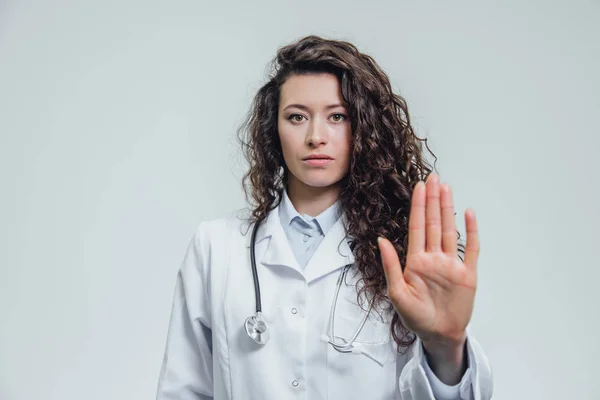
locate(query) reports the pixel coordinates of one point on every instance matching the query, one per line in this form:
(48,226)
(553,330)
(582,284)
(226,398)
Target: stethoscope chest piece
(257,329)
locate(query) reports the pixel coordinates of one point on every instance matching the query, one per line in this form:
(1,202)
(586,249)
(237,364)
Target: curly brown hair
(386,159)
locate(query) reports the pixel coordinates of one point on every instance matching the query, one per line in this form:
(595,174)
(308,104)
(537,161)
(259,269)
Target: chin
(320,183)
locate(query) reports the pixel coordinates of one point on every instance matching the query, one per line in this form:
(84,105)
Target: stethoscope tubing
(253,321)
(254,271)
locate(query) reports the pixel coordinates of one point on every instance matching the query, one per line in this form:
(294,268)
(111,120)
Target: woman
(363,292)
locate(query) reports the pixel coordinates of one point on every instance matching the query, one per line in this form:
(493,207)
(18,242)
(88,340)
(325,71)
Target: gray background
(117,137)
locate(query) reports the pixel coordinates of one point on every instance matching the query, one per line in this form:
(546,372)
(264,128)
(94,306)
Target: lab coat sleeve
(186,371)
(418,382)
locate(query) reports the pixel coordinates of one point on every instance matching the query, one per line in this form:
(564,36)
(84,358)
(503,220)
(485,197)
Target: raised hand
(434,294)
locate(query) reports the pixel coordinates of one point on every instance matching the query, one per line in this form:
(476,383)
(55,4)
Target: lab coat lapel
(278,251)
(332,254)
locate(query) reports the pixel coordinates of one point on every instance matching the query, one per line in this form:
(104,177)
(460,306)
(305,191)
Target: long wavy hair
(386,159)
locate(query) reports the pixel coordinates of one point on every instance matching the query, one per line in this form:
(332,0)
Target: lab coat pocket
(373,340)
(369,370)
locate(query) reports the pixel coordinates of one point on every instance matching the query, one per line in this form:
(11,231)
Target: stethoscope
(257,328)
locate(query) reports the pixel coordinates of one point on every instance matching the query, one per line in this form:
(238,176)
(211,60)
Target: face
(313,122)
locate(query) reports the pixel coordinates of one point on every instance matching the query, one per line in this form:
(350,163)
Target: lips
(318,157)
(318,161)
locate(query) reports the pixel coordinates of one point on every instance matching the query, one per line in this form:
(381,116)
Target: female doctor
(345,280)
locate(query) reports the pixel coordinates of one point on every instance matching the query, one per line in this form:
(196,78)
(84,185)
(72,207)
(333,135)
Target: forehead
(313,89)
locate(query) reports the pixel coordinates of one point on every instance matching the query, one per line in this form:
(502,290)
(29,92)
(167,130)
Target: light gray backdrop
(117,137)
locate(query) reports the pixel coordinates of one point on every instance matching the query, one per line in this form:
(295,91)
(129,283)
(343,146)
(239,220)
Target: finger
(392,268)
(416,221)
(472,246)
(433,215)
(449,233)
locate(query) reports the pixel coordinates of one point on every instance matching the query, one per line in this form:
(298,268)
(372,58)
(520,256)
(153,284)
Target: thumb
(392,269)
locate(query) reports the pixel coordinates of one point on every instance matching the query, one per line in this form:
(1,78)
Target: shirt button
(295,383)
(294,311)
(305,238)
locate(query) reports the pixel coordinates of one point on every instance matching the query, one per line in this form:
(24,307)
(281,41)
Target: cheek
(288,144)
(344,144)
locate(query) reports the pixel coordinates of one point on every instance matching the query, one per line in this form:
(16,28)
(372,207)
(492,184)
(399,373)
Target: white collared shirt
(305,233)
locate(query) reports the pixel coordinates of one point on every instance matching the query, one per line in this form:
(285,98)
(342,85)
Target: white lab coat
(209,356)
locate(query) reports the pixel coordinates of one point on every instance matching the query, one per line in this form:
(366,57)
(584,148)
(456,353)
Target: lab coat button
(305,238)
(294,311)
(295,383)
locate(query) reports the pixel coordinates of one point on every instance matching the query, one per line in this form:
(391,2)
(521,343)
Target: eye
(291,117)
(339,115)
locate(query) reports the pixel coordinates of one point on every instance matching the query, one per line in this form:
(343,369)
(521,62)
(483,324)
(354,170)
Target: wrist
(446,352)
(447,358)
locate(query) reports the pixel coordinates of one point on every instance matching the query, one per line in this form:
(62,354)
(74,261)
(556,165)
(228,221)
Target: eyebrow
(305,108)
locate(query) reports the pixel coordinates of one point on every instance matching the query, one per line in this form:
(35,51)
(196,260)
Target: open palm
(434,294)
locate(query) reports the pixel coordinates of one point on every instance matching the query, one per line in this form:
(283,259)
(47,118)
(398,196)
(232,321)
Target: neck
(312,200)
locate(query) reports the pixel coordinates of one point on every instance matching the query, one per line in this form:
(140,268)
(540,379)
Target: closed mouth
(318,158)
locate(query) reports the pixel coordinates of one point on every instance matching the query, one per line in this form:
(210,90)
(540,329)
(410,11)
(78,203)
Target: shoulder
(211,244)
(213,231)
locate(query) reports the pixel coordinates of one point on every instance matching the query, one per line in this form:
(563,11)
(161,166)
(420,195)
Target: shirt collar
(326,219)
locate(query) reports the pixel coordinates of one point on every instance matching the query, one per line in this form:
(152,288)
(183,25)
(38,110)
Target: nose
(317,133)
